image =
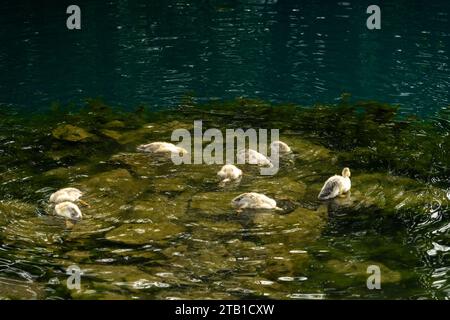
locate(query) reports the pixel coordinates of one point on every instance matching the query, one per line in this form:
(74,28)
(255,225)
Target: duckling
(68,210)
(282,147)
(67,194)
(229,173)
(336,185)
(253,157)
(161,147)
(253,200)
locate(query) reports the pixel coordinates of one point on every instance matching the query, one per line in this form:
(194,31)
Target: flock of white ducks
(64,200)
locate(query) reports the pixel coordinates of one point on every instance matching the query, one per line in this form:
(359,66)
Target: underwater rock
(393,193)
(36,231)
(279,188)
(61,154)
(196,174)
(152,130)
(177,250)
(176,124)
(300,227)
(135,233)
(67,172)
(203,293)
(250,287)
(157,208)
(111,134)
(212,229)
(213,203)
(68,132)
(118,182)
(110,281)
(308,151)
(78,255)
(207,259)
(109,193)
(11,210)
(114,124)
(135,136)
(356,269)
(136,254)
(12,289)
(94,224)
(140,163)
(169,184)
(205,230)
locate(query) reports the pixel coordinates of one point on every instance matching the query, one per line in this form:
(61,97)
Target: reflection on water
(155,52)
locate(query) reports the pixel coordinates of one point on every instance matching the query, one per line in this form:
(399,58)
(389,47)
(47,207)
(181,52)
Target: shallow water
(159,231)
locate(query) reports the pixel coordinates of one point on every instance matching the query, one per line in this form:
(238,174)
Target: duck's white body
(66,194)
(229,172)
(336,186)
(282,147)
(68,210)
(161,147)
(253,157)
(253,200)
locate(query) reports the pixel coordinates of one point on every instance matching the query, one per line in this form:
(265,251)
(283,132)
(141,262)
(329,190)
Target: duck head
(346,173)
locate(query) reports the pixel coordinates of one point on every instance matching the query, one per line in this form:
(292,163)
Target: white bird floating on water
(229,173)
(253,200)
(67,194)
(251,156)
(161,147)
(282,147)
(336,185)
(68,210)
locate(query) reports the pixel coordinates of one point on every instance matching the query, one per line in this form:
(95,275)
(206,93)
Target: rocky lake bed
(163,231)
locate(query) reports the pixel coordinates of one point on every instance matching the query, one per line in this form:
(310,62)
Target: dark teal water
(156,52)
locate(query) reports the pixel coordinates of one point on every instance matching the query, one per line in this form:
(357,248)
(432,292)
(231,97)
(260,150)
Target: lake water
(154,230)
(155,52)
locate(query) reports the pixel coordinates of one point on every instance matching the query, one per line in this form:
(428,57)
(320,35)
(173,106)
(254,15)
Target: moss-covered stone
(71,133)
(115,183)
(135,233)
(393,193)
(156,208)
(356,269)
(114,124)
(278,187)
(308,151)
(20,290)
(36,231)
(111,134)
(169,184)
(140,163)
(213,203)
(12,210)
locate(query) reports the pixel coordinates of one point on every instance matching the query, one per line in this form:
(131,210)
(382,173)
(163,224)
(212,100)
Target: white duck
(229,173)
(161,147)
(251,156)
(68,210)
(282,147)
(336,185)
(67,194)
(253,200)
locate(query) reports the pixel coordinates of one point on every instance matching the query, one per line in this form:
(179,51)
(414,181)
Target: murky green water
(159,231)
